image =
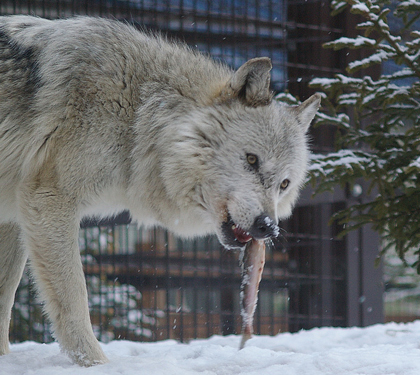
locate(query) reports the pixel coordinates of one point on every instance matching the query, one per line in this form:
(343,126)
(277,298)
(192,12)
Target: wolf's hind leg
(12,262)
(50,231)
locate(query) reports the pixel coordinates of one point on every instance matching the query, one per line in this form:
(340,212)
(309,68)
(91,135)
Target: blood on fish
(252,267)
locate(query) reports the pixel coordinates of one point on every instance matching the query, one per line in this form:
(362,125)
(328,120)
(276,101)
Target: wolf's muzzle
(264,227)
(236,237)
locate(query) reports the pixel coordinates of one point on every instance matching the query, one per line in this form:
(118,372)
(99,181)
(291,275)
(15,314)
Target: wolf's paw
(4,351)
(4,347)
(85,360)
(87,355)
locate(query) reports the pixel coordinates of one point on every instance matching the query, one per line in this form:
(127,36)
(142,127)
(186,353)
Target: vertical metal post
(364,280)
(326,265)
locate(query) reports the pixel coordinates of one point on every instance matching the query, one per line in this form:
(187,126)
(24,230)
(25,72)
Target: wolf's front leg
(12,262)
(50,228)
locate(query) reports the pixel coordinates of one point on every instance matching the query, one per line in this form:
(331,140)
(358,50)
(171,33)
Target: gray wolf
(97,117)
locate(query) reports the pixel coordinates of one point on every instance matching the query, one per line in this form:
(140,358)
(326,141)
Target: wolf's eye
(284,184)
(252,159)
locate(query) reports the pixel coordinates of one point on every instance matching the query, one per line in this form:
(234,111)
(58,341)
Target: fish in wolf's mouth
(252,259)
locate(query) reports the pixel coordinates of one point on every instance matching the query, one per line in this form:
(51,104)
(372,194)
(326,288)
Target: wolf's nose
(264,227)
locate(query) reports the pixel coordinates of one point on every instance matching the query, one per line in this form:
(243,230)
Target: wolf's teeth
(233,227)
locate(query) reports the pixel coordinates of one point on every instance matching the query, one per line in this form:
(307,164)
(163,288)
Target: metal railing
(149,285)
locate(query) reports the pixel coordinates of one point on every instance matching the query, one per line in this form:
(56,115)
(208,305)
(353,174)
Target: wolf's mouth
(234,236)
(241,235)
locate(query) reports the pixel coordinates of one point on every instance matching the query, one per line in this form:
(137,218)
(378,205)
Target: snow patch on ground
(377,350)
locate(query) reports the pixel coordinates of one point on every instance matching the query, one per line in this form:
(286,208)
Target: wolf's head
(244,157)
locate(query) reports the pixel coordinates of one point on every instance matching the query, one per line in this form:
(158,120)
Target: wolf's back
(68,67)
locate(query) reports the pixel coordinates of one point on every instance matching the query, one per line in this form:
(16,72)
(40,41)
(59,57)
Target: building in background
(149,285)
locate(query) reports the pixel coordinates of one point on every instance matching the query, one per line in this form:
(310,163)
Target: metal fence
(147,284)
(402,289)
(232,30)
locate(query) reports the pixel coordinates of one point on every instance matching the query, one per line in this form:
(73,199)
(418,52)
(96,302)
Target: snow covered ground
(377,350)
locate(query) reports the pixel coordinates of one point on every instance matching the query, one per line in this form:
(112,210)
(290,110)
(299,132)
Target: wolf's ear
(306,111)
(251,83)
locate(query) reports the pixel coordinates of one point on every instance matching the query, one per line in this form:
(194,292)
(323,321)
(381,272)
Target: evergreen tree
(381,142)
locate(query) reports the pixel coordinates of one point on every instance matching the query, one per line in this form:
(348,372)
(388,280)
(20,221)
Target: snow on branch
(348,159)
(376,58)
(345,42)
